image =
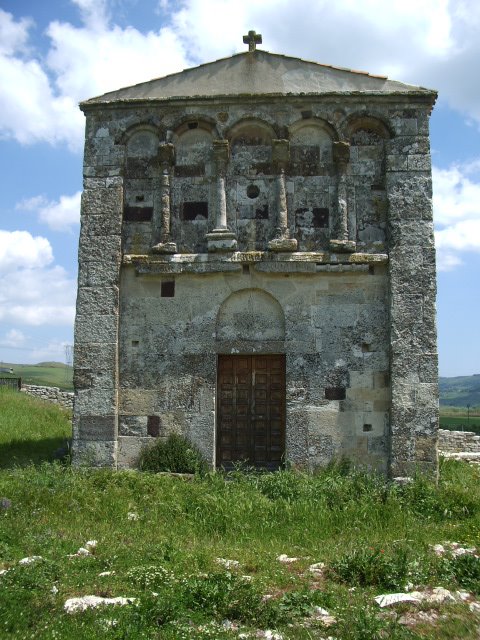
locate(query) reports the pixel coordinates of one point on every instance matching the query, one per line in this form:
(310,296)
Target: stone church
(257,268)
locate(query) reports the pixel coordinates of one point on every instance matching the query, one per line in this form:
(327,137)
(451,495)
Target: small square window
(168,289)
(195,211)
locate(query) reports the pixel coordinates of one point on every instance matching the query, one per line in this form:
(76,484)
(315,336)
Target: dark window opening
(193,125)
(195,211)
(367,427)
(366,347)
(320,218)
(371,269)
(262,213)
(335,393)
(135,343)
(167,289)
(138,214)
(139,198)
(253,191)
(307,114)
(153,426)
(246,269)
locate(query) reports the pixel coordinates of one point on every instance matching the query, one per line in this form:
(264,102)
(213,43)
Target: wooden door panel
(251,410)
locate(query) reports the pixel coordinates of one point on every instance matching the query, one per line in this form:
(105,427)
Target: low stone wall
(51,394)
(458,441)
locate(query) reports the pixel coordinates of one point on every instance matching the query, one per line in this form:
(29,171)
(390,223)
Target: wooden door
(251,410)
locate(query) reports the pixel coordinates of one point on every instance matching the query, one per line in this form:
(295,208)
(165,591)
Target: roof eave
(429,96)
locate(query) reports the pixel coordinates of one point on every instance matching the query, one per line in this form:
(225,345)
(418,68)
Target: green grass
(460,422)
(49,374)
(372,536)
(30,429)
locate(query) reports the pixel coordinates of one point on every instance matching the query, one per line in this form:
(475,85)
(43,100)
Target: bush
(176,454)
(367,566)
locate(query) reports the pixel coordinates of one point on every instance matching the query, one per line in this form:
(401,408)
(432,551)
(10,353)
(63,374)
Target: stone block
(137,401)
(94,401)
(101,200)
(98,274)
(95,428)
(132,426)
(97,300)
(88,453)
(100,249)
(95,329)
(129,450)
(95,357)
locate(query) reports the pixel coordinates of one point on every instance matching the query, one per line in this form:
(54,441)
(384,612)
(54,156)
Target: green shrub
(368,566)
(175,454)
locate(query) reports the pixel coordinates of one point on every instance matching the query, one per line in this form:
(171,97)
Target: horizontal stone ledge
(265,261)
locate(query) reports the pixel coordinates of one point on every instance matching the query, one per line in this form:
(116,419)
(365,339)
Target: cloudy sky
(54,54)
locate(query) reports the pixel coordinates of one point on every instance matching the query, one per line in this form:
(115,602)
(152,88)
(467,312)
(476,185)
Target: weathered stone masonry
(257,268)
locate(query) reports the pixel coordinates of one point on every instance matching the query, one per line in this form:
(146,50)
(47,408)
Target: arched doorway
(251,386)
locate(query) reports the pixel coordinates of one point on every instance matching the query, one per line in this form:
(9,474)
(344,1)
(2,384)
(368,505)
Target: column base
(283,244)
(343,246)
(164,247)
(221,240)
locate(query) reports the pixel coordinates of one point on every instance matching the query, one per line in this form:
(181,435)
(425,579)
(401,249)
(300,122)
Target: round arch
(250,315)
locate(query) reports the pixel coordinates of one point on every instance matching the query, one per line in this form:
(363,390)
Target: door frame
(218,464)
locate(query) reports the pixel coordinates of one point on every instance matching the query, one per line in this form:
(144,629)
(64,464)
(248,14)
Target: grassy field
(159,538)
(49,374)
(30,429)
(460,423)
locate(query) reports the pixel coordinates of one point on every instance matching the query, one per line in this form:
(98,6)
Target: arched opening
(250,408)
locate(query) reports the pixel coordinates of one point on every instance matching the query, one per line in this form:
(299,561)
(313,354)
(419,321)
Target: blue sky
(54,54)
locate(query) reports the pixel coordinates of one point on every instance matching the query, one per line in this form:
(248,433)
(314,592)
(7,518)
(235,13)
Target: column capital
(221,154)
(341,154)
(166,155)
(280,153)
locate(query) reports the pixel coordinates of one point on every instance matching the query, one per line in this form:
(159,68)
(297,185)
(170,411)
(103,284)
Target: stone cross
(252,39)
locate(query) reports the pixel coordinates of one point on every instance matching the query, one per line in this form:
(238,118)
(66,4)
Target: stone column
(221,238)
(162,208)
(96,377)
(280,159)
(413,345)
(341,158)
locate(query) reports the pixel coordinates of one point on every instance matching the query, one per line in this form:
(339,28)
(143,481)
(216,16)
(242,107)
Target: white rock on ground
(76,605)
(91,545)
(106,573)
(30,560)
(390,599)
(284,558)
(317,568)
(228,564)
(131,515)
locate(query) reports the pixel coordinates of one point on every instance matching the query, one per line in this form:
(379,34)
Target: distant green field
(460,423)
(49,374)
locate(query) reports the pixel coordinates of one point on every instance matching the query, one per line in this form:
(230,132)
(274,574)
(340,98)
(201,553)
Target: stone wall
(458,441)
(52,394)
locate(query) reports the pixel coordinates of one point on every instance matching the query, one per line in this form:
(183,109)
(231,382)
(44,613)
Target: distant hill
(460,391)
(48,374)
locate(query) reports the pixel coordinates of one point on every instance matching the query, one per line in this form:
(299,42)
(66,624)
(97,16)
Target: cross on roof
(252,39)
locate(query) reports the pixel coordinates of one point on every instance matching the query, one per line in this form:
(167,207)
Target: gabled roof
(258,73)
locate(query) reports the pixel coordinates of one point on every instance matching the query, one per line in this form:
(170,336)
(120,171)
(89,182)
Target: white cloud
(59,215)
(20,248)
(32,291)
(456,207)
(39,100)
(54,351)
(13,338)
(13,35)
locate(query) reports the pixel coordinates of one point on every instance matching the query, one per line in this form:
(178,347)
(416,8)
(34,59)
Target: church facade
(257,268)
